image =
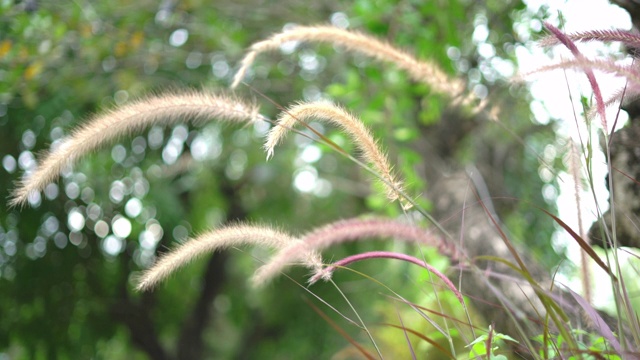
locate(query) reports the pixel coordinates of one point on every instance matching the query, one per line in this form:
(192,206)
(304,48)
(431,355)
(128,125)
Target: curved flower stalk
(194,106)
(359,133)
(569,44)
(626,37)
(419,70)
(326,273)
(340,232)
(234,235)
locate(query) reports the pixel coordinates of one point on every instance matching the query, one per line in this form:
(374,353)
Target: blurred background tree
(69,259)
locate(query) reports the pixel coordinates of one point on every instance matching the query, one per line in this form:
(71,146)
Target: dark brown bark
(191,342)
(135,315)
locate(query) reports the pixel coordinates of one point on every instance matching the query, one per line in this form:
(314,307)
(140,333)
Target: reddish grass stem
(326,272)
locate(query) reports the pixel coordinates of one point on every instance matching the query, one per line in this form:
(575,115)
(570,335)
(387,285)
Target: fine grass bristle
(359,133)
(626,37)
(422,71)
(104,128)
(234,235)
(340,232)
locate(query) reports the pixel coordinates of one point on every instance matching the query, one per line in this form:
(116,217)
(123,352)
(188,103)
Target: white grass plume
(232,235)
(359,133)
(340,232)
(422,71)
(104,128)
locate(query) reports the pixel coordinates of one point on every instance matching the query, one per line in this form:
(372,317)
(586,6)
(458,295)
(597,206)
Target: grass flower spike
(353,126)
(419,70)
(626,37)
(222,238)
(340,232)
(107,127)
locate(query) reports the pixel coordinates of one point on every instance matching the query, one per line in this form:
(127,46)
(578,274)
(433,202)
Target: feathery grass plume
(626,37)
(359,133)
(419,70)
(233,235)
(326,273)
(629,72)
(339,232)
(569,44)
(620,98)
(103,128)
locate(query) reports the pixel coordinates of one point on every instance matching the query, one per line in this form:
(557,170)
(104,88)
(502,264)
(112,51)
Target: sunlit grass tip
(207,243)
(106,127)
(339,232)
(354,127)
(422,71)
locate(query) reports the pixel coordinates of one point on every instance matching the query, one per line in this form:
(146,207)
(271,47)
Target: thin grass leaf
(626,175)
(442,315)
(423,337)
(349,320)
(597,320)
(423,315)
(326,272)
(340,330)
(364,326)
(583,244)
(406,336)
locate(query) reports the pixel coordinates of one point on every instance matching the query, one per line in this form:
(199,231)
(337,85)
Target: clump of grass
(628,326)
(201,106)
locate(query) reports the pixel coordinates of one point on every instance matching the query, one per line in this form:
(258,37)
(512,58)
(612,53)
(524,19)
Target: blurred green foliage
(66,282)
